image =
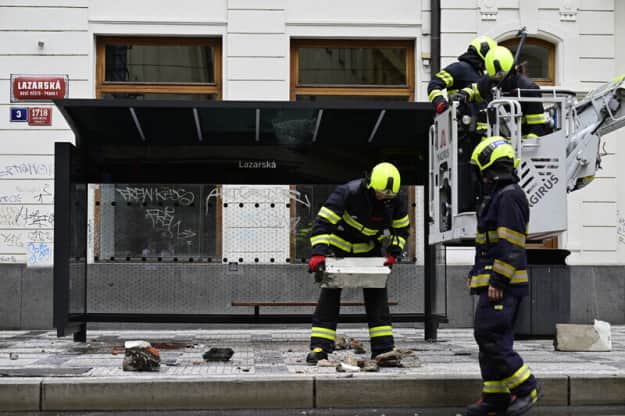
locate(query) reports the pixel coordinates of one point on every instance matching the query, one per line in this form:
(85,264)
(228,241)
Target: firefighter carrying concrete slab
(362,218)
(499,277)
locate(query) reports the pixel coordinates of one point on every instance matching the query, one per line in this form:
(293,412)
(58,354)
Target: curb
(20,393)
(597,390)
(183,394)
(297,392)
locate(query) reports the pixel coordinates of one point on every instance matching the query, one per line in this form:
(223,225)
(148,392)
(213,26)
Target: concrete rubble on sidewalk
(268,370)
(578,337)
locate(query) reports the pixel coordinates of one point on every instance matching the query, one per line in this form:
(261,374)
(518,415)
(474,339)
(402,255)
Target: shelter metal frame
(127,141)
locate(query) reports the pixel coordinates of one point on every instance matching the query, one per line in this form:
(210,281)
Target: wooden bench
(258,304)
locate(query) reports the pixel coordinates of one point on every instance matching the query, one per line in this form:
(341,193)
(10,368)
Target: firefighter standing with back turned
(499,277)
(359,219)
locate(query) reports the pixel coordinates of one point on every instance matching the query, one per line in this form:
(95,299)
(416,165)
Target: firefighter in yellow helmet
(499,277)
(460,74)
(363,218)
(499,61)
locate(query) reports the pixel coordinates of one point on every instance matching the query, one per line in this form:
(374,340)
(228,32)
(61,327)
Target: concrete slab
(20,394)
(597,390)
(183,394)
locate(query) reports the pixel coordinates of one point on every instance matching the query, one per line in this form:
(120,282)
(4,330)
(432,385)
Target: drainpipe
(435,36)
(429,278)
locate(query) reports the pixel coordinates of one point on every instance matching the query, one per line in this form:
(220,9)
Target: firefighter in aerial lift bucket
(365,217)
(502,73)
(499,277)
(461,74)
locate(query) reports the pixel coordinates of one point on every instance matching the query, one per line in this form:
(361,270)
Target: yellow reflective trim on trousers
(480,280)
(320,332)
(534,118)
(446,77)
(495,387)
(401,222)
(329,215)
(503,268)
(518,378)
(345,245)
(511,236)
(520,276)
(481,126)
(433,94)
(381,331)
(320,239)
(349,220)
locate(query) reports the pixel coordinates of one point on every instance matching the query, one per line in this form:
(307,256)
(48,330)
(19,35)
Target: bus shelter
(200,212)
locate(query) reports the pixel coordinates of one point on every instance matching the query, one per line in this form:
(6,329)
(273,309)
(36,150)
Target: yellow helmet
(385,179)
(491,150)
(482,44)
(499,62)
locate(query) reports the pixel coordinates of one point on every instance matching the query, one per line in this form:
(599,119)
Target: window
(158,68)
(346,70)
(537,59)
(157,222)
(352,69)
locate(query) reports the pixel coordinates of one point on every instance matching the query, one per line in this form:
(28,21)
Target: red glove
(316,264)
(390,261)
(441,106)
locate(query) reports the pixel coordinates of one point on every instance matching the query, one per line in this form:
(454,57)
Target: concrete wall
(579,294)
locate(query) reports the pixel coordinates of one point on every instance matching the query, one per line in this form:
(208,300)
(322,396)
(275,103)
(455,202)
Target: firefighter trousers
(503,370)
(324,320)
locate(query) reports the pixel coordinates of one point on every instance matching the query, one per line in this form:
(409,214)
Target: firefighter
(499,277)
(499,61)
(362,218)
(467,70)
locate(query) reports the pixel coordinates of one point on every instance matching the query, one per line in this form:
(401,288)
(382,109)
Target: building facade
(266,50)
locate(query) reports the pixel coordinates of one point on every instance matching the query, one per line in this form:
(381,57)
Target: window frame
(545,44)
(214,88)
(103,86)
(407,91)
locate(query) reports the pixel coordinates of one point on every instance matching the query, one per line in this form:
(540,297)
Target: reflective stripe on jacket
(500,255)
(353,221)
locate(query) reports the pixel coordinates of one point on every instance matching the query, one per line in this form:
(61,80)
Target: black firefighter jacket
(500,256)
(354,221)
(533,123)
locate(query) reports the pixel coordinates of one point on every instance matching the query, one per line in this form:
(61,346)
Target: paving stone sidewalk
(278,354)
(272,351)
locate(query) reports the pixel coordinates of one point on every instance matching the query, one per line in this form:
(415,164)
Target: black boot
(522,404)
(482,408)
(316,355)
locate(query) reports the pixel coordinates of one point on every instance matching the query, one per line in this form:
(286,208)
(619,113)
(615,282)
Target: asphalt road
(539,411)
